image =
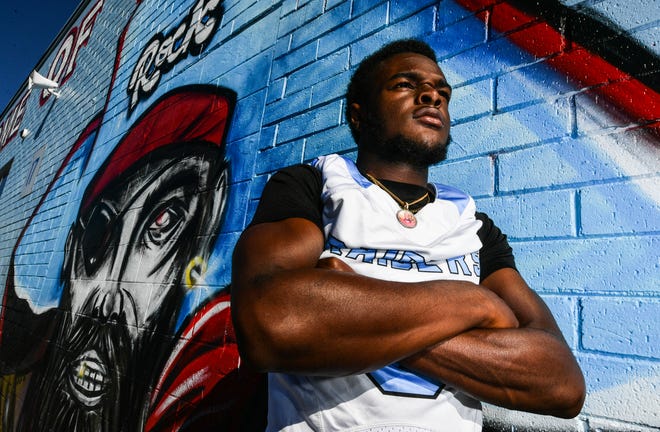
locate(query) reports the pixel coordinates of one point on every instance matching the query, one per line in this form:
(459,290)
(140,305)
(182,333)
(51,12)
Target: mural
(142,237)
(118,338)
(115,313)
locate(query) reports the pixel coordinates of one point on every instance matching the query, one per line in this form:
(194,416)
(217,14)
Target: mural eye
(95,237)
(164,225)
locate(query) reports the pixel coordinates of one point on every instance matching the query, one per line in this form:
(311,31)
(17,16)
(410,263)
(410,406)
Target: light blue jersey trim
(456,196)
(355,173)
(352,170)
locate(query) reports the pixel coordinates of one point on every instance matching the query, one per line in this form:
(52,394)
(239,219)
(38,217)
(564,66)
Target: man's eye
(404,84)
(164,225)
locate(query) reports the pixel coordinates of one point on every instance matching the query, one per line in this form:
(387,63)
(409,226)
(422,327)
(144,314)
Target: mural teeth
(88,378)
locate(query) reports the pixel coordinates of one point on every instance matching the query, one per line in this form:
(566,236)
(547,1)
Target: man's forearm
(524,369)
(323,322)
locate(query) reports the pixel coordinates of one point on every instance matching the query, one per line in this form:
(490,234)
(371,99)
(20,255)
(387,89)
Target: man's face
(407,116)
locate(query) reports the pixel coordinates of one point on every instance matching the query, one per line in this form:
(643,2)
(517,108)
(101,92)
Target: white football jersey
(361,228)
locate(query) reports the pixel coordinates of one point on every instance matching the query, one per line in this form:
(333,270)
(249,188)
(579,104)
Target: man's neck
(368,163)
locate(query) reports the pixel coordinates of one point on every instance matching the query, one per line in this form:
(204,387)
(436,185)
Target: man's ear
(355,115)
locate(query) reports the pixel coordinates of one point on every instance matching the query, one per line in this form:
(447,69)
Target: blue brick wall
(569,176)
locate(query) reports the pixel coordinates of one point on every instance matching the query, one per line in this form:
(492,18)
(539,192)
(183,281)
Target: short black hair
(360,83)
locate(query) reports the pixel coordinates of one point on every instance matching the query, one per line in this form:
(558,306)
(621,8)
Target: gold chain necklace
(405,216)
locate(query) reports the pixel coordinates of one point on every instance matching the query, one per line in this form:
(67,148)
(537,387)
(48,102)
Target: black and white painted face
(132,248)
(127,261)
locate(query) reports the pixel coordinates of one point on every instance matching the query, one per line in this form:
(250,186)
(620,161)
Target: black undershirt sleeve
(495,252)
(295,191)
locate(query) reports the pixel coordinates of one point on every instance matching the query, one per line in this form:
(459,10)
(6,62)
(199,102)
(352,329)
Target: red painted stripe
(638,101)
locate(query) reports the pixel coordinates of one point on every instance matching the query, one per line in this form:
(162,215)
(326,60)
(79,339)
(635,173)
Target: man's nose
(428,95)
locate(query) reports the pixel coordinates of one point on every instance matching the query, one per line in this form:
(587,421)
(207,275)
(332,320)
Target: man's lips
(429,116)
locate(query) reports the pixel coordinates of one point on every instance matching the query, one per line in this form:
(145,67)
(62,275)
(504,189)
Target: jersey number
(397,381)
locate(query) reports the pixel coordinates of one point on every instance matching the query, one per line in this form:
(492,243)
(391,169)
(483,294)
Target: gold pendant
(406,218)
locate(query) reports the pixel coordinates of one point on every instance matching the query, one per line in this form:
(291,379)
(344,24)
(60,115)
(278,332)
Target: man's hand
(529,368)
(334,264)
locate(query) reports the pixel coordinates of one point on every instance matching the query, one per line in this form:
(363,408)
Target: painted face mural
(146,226)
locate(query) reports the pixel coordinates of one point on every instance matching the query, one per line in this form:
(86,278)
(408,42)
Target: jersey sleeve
(495,254)
(294,191)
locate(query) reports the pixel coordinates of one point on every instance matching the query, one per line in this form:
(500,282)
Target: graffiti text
(65,60)
(164,51)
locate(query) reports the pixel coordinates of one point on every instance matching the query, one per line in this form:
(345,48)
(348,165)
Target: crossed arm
(496,341)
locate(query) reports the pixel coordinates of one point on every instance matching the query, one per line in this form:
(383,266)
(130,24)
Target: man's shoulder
(460,199)
(299,171)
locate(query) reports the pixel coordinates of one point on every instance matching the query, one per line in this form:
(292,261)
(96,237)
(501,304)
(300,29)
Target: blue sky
(27,28)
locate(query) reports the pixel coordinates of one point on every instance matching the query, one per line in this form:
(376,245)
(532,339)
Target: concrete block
(533,215)
(497,419)
(472,176)
(622,390)
(630,207)
(278,157)
(247,116)
(400,9)
(251,14)
(321,24)
(416,26)
(243,46)
(649,38)
(471,100)
(222,259)
(297,19)
(329,4)
(472,33)
(362,6)
(334,140)
(350,31)
(281,46)
(309,122)
(594,265)
(565,311)
(580,160)
(267,137)
(449,11)
(482,61)
(290,105)
(288,6)
(628,14)
(241,155)
(528,84)
(247,78)
(330,89)
(320,70)
(294,59)
(275,90)
(596,114)
(528,125)
(625,326)
(234,216)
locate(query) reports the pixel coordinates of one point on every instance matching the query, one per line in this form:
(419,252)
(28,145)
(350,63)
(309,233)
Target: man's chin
(411,152)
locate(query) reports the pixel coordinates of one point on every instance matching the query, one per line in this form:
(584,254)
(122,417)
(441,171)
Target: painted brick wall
(554,132)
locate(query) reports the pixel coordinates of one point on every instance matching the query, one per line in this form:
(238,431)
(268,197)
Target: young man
(377,301)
